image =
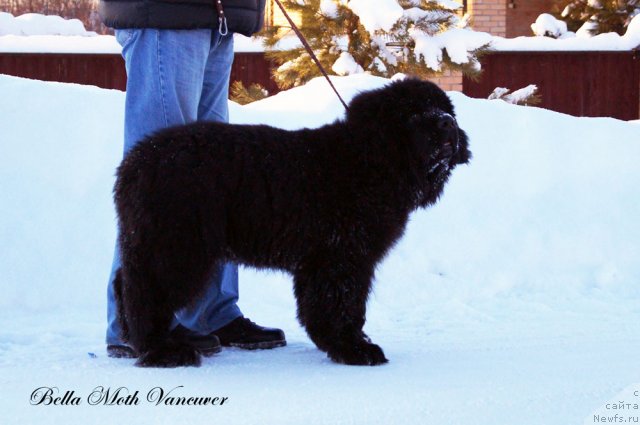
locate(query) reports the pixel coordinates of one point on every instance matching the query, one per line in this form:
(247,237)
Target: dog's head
(415,122)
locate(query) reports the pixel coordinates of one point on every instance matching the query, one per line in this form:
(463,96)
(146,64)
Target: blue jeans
(177,77)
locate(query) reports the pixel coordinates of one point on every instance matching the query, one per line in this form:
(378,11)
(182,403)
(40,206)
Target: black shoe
(207,345)
(118,351)
(243,333)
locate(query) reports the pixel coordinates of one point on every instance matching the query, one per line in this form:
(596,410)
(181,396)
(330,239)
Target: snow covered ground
(515,300)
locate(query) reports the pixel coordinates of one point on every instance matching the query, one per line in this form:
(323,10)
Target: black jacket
(243,16)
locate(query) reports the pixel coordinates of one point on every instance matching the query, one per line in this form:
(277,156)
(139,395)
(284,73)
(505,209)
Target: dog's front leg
(331,306)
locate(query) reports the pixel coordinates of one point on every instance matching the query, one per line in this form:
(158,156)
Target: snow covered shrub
(547,25)
(591,17)
(525,96)
(381,37)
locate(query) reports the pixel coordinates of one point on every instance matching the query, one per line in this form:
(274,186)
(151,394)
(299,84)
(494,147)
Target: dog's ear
(369,109)
(382,111)
(397,102)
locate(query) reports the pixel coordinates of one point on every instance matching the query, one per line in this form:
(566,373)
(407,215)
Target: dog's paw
(171,355)
(362,353)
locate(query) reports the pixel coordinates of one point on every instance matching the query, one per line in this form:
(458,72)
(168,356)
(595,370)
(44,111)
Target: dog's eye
(421,116)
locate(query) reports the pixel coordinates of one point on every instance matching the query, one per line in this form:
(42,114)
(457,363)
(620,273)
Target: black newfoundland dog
(324,204)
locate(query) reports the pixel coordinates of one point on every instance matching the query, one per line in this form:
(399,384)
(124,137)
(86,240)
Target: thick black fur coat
(324,204)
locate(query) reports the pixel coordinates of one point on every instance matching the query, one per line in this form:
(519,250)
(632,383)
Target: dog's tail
(122,320)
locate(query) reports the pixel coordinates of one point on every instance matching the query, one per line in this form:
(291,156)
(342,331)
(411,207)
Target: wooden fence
(107,70)
(578,83)
(584,84)
(253,68)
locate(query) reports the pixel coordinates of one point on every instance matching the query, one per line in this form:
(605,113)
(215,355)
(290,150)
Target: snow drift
(513,300)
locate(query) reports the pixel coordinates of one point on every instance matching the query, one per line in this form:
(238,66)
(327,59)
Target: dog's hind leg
(148,309)
(331,298)
(168,253)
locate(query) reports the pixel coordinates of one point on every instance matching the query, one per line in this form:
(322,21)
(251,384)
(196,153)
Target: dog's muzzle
(449,128)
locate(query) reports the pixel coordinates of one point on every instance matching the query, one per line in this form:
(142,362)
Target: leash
(295,29)
(224,30)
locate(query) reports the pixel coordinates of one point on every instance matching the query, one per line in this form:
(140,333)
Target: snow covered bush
(591,17)
(547,25)
(380,37)
(525,96)
(626,38)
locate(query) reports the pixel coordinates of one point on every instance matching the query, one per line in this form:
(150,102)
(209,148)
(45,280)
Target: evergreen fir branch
(245,95)
(611,16)
(382,53)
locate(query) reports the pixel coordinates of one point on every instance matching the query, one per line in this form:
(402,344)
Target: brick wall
(449,81)
(522,13)
(489,16)
(507,18)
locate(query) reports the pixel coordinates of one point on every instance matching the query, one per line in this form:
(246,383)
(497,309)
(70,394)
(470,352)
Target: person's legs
(214,106)
(214,102)
(165,75)
(224,317)
(165,72)
(175,77)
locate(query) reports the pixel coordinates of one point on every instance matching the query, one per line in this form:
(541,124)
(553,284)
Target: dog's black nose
(446,122)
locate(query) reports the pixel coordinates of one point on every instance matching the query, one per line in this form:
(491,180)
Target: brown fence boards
(107,70)
(605,84)
(251,68)
(591,84)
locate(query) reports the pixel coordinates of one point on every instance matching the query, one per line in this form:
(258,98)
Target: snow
(101,44)
(376,14)
(582,42)
(517,97)
(457,42)
(329,8)
(587,29)
(632,35)
(37,33)
(514,300)
(522,94)
(38,24)
(384,52)
(447,4)
(378,65)
(548,25)
(346,65)
(450,4)
(415,13)
(498,93)
(107,44)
